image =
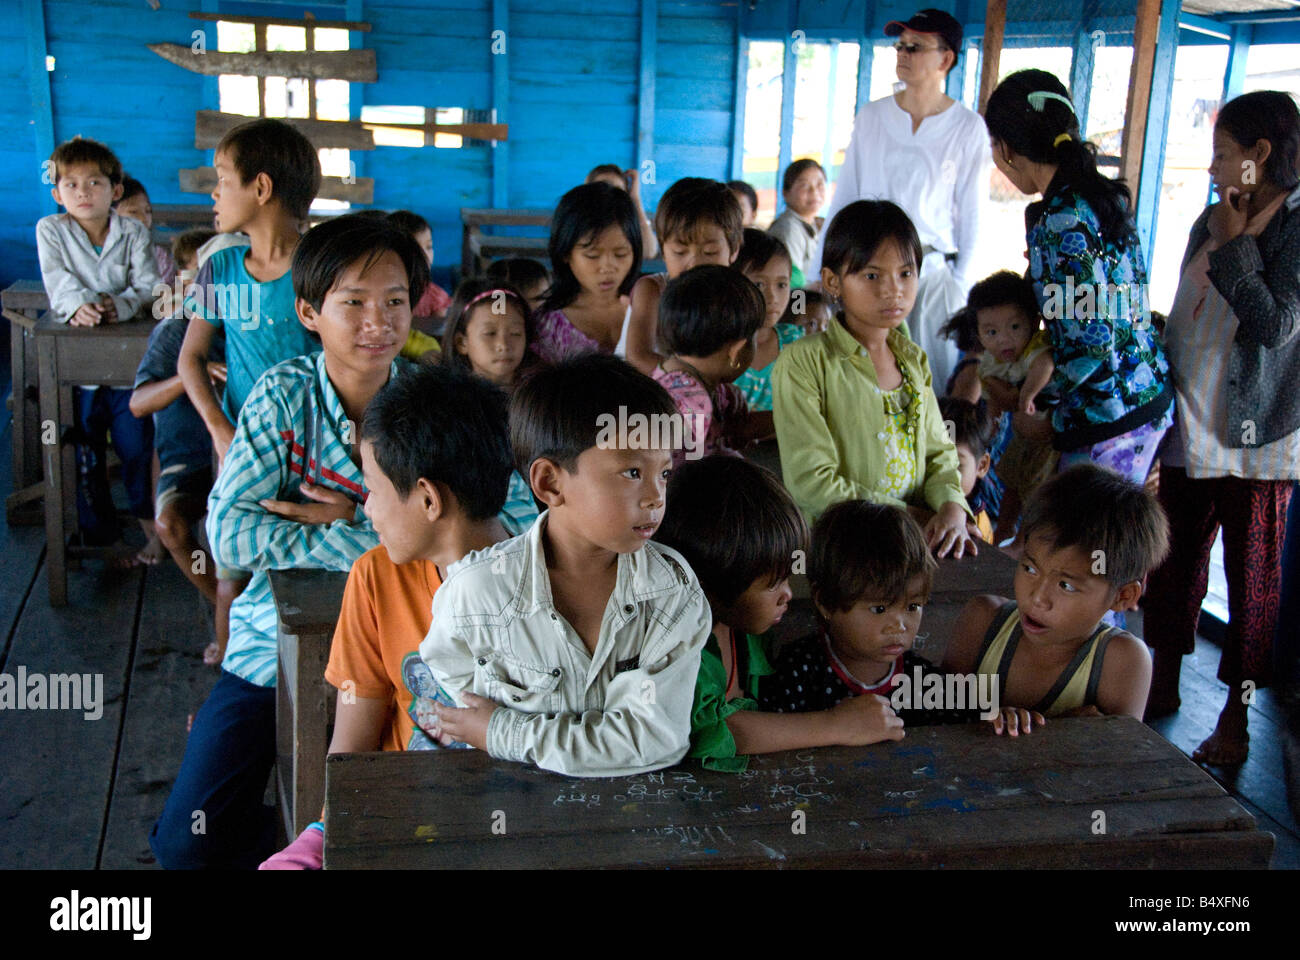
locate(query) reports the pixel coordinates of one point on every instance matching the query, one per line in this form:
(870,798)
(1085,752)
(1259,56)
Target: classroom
(744,434)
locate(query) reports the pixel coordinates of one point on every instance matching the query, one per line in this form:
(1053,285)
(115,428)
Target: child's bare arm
(191,366)
(1125,677)
(1040,372)
(968,633)
(642,324)
(359,724)
(155,395)
(854,722)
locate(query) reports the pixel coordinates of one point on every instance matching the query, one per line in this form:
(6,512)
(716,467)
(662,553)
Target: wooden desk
(23,302)
(68,356)
(943,797)
(478,249)
(307,605)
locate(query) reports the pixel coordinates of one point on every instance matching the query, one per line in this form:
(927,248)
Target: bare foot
(124,557)
(1223,750)
(152,553)
(213,654)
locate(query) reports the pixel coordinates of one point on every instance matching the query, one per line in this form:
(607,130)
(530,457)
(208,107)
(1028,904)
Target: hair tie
(491,293)
(1038,99)
(1062,138)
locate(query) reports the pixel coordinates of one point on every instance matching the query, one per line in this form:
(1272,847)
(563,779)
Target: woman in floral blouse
(1086,265)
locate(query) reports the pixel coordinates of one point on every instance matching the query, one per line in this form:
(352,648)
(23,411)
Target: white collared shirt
(623,710)
(74,274)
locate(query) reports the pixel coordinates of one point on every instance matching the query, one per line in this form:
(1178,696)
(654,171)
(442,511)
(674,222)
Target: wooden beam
(38,80)
(283,21)
(501,99)
(1139,92)
(866,54)
(1152,171)
(353,65)
(210,126)
(786,146)
(1234,77)
(259,44)
(645,104)
(472,131)
(360,190)
(311,84)
(995,24)
(1081,69)
(738,100)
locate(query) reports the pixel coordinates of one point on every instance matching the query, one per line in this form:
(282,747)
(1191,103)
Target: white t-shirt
(938,175)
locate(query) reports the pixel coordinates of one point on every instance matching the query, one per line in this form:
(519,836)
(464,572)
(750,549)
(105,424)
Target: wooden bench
(1102,793)
(68,356)
(23,302)
(307,606)
(477,249)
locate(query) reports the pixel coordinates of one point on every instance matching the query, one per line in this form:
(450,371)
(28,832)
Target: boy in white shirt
(98,267)
(575,646)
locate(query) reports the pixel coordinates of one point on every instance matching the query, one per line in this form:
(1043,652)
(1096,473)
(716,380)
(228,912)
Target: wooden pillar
(500,100)
(738,100)
(995,24)
(645,108)
(38,80)
(1146,119)
(790,66)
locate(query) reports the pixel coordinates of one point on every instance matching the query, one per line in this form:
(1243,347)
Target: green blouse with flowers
(711,740)
(844,438)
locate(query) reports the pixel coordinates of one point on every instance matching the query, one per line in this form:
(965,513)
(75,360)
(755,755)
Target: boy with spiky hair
(1091,537)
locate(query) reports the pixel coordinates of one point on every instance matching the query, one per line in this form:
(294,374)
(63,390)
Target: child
(698,221)
(766,262)
(707,321)
(856,417)
(433,305)
(1090,539)
(747,197)
(595,251)
(971,431)
(435,452)
(736,525)
(810,310)
(290,497)
(183,447)
(488,335)
(134,203)
(585,635)
(267,176)
(98,267)
(804,190)
(185,251)
(1014,367)
(629,181)
(527,276)
(870,572)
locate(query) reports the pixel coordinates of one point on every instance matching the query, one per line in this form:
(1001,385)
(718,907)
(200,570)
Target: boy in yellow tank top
(1091,537)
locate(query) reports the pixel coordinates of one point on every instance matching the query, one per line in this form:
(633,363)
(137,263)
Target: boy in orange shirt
(435,453)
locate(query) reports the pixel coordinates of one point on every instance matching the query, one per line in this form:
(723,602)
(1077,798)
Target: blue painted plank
(38,78)
(741,86)
(787,109)
(1157,128)
(645,111)
(501,53)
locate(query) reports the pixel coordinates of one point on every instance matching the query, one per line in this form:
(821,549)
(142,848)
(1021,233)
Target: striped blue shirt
(521,509)
(291,426)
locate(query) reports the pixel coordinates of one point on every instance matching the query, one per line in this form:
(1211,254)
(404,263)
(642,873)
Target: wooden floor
(82,794)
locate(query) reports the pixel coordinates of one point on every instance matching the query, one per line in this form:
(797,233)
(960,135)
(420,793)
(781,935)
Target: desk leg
(56,537)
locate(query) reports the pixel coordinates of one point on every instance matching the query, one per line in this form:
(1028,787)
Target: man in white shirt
(930,155)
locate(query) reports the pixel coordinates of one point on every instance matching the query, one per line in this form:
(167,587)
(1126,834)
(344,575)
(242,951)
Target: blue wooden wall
(577,85)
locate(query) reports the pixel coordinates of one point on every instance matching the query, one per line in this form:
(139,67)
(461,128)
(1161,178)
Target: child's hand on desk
(89,314)
(947,533)
(108,309)
(1016,720)
(331,505)
(865,719)
(468,724)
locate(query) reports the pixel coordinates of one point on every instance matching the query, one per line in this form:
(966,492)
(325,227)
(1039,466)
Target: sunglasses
(910,48)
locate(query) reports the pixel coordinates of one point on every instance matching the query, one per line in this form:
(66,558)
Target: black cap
(930,21)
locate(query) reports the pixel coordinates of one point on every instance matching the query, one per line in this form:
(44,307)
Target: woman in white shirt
(929,154)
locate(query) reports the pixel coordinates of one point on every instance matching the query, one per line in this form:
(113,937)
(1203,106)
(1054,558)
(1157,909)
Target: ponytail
(1031,113)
